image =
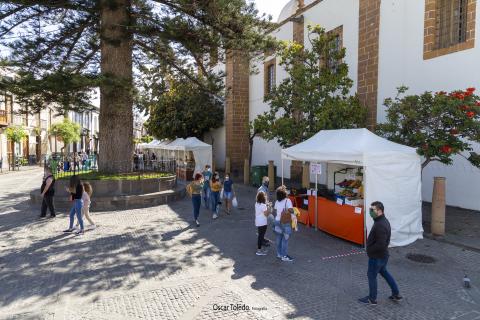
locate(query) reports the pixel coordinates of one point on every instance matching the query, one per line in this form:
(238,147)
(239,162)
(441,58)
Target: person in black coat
(48,191)
(377,251)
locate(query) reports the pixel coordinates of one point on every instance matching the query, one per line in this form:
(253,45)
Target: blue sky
(272,7)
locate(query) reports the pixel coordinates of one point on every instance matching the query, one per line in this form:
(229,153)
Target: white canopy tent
(202,151)
(392,174)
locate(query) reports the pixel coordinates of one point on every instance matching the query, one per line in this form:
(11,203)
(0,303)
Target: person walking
(86,197)
(228,193)
(215,187)
(377,251)
(75,188)
(283,223)
(261,213)
(48,191)
(264,188)
(207,176)
(195,190)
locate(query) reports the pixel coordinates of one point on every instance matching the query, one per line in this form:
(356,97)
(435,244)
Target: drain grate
(421,258)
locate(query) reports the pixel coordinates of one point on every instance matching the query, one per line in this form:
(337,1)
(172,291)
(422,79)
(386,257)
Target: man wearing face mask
(377,251)
(264,188)
(207,176)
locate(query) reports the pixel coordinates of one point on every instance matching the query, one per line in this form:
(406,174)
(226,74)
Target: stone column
(438,206)
(227,165)
(306,175)
(271,176)
(246,172)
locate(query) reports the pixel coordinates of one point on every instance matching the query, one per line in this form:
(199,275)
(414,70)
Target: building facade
(426,45)
(88,121)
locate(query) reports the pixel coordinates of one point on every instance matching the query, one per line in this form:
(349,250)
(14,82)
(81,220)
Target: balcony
(3,118)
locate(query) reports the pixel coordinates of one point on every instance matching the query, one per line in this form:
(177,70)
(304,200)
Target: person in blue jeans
(377,251)
(75,187)
(282,231)
(228,193)
(215,188)
(195,190)
(207,176)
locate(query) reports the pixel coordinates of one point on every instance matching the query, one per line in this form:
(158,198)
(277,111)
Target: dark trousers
(196,202)
(47,202)
(261,236)
(376,266)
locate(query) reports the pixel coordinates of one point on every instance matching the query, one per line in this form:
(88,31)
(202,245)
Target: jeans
(196,201)
(47,202)
(376,266)
(283,233)
(261,236)
(206,196)
(215,196)
(76,210)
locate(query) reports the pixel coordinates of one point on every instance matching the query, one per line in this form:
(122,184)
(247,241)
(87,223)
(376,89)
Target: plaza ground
(153,264)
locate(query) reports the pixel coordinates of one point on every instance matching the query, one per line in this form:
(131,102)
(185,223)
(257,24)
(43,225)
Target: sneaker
(93,227)
(215,216)
(287,259)
(80,233)
(395,297)
(197,223)
(260,253)
(52,216)
(279,256)
(69,230)
(42,216)
(367,300)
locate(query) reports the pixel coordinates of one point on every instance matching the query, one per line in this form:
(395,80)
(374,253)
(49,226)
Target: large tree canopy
(105,43)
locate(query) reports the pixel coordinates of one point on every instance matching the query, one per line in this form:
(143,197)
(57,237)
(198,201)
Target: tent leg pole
(282,173)
(316,201)
(364,210)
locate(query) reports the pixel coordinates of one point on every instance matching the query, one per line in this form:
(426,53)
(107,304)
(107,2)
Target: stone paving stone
(154,264)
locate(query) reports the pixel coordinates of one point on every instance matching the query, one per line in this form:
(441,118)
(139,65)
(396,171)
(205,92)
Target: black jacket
(379,238)
(51,190)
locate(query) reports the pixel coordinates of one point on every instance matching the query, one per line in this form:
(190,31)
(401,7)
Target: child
(261,213)
(87,193)
(75,188)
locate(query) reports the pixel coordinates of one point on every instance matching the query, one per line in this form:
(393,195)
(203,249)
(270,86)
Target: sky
(272,7)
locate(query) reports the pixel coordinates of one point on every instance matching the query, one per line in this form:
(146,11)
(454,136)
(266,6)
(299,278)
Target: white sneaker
(215,216)
(93,227)
(260,253)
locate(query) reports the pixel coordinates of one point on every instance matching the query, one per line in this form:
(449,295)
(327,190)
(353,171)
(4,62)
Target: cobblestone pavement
(152,264)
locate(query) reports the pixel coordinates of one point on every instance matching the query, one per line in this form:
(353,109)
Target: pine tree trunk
(116,115)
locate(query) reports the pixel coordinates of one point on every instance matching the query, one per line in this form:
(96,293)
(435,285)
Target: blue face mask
(373,214)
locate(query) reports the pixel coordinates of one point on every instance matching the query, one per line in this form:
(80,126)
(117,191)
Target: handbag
(234,202)
(286,216)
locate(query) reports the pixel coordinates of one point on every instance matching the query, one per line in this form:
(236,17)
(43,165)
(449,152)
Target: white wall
(401,63)
(330,14)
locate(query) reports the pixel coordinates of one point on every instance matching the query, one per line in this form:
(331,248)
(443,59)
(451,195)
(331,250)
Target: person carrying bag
(283,223)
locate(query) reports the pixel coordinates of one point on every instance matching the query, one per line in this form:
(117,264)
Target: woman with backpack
(283,223)
(75,188)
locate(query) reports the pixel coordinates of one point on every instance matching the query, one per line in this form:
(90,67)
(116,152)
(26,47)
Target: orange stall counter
(337,220)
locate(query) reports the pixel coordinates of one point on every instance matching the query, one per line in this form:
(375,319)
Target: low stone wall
(120,195)
(110,188)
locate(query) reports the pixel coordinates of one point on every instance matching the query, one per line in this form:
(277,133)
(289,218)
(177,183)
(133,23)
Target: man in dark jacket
(377,251)
(48,191)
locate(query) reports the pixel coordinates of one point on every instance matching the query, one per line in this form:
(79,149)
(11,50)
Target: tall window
(449,27)
(451,23)
(269,75)
(333,63)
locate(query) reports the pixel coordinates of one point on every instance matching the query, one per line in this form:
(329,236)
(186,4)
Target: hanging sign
(358,210)
(315,168)
(340,201)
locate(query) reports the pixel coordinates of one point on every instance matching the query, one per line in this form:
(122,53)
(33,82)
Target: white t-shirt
(86,199)
(280,206)
(260,219)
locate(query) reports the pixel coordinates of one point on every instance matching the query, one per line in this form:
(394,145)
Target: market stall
(364,168)
(192,156)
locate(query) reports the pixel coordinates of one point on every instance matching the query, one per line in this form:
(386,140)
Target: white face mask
(227,178)
(209,169)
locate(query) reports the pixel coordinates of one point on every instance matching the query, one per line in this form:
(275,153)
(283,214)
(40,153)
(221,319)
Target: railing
(67,165)
(3,117)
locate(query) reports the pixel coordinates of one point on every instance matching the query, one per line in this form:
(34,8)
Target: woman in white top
(87,193)
(261,213)
(283,230)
